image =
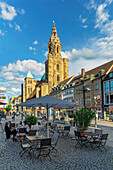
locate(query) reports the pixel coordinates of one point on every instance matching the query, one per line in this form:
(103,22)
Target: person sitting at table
(9,131)
(20,125)
(27,127)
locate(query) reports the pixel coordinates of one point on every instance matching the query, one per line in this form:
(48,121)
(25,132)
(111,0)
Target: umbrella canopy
(48,102)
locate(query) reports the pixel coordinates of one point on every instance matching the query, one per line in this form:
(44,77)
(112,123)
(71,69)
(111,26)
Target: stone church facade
(56,70)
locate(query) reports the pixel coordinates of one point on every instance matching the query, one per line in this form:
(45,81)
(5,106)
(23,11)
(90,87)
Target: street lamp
(84,89)
(95,102)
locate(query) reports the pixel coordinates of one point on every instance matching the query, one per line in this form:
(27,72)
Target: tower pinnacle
(54,31)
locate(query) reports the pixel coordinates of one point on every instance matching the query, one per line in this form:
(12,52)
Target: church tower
(56,67)
(29,85)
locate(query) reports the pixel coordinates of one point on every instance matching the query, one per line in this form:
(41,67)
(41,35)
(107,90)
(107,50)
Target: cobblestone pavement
(67,158)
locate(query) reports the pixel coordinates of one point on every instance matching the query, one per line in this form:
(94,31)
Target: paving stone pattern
(67,158)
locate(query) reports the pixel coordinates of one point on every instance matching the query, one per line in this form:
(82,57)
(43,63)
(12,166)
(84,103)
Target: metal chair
(32,132)
(98,131)
(21,133)
(81,140)
(65,132)
(26,147)
(22,130)
(100,142)
(54,141)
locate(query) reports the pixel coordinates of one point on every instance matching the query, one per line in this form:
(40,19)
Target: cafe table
(92,137)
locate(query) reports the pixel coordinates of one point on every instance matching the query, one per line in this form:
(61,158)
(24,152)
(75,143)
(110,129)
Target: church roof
(29,75)
(43,77)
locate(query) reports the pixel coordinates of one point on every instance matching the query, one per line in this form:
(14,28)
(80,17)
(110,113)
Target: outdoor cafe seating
(39,146)
(63,131)
(94,140)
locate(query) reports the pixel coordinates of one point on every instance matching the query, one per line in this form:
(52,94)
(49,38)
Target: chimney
(83,72)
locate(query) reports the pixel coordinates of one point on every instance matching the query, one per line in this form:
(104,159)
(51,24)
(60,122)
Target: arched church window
(58,78)
(57,50)
(57,67)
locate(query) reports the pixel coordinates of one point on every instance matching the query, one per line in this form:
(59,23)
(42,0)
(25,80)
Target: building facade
(93,88)
(2,97)
(56,70)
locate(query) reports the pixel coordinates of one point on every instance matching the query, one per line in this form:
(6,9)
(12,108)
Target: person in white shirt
(27,127)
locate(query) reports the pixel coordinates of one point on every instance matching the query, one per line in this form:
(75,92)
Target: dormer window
(99,73)
(111,74)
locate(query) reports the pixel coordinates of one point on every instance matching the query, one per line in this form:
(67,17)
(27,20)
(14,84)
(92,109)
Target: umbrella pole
(47,122)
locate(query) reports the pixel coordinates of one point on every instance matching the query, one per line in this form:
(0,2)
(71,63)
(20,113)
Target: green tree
(8,107)
(83,118)
(31,120)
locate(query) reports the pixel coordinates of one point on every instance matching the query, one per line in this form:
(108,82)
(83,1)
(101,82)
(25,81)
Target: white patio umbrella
(48,102)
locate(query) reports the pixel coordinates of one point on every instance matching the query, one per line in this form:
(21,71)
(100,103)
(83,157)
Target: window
(111,85)
(58,78)
(57,67)
(99,73)
(96,86)
(106,86)
(57,50)
(106,98)
(111,75)
(111,97)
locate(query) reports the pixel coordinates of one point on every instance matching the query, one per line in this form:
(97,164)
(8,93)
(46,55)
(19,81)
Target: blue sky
(85,28)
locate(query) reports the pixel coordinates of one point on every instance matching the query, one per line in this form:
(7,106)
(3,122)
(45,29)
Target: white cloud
(10,25)
(17,27)
(46,53)
(16,90)
(1,33)
(13,74)
(35,42)
(22,11)
(32,48)
(83,20)
(7,12)
(76,54)
(11,93)
(75,67)
(84,26)
(22,66)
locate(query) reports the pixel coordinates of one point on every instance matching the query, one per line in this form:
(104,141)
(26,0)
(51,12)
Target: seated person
(9,132)
(27,127)
(20,125)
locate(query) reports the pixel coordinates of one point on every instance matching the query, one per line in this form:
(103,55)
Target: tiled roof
(65,81)
(96,70)
(32,95)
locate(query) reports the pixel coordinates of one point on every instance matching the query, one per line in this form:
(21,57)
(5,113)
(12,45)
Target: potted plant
(83,118)
(31,120)
(107,117)
(72,123)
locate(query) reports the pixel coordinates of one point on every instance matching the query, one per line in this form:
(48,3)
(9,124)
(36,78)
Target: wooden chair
(45,148)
